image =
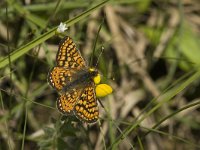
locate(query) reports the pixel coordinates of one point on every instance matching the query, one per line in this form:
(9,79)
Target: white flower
(61,28)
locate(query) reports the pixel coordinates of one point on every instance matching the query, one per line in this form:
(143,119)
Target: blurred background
(151,57)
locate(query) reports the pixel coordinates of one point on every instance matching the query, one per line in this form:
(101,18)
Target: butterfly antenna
(96,39)
(102,48)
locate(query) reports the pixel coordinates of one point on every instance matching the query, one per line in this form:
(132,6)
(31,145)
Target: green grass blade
(24,49)
(164,98)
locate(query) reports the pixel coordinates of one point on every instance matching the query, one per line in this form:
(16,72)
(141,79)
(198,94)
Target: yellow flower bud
(97,79)
(103,90)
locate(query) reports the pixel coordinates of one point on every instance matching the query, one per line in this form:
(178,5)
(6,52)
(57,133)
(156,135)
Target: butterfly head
(95,74)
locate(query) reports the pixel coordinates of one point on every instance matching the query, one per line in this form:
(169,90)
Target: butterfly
(75,83)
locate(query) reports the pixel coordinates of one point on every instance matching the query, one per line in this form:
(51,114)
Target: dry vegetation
(151,59)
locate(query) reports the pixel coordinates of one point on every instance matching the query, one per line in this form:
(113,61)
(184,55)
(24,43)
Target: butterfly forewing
(69,61)
(86,108)
(68,56)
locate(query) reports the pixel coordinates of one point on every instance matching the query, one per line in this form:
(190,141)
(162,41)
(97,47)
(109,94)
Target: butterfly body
(80,79)
(74,81)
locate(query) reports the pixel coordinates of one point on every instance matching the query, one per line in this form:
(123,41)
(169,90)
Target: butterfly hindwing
(60,77)
(67,101)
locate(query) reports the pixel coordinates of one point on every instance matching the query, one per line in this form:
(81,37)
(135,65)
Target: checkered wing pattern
(67,101)
(59,77)
(79,99)
(86,108)
(68,55)
(69,61)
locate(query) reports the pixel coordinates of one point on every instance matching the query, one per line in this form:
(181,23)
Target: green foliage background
(150,58)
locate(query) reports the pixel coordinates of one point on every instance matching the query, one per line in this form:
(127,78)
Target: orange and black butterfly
(74,81)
